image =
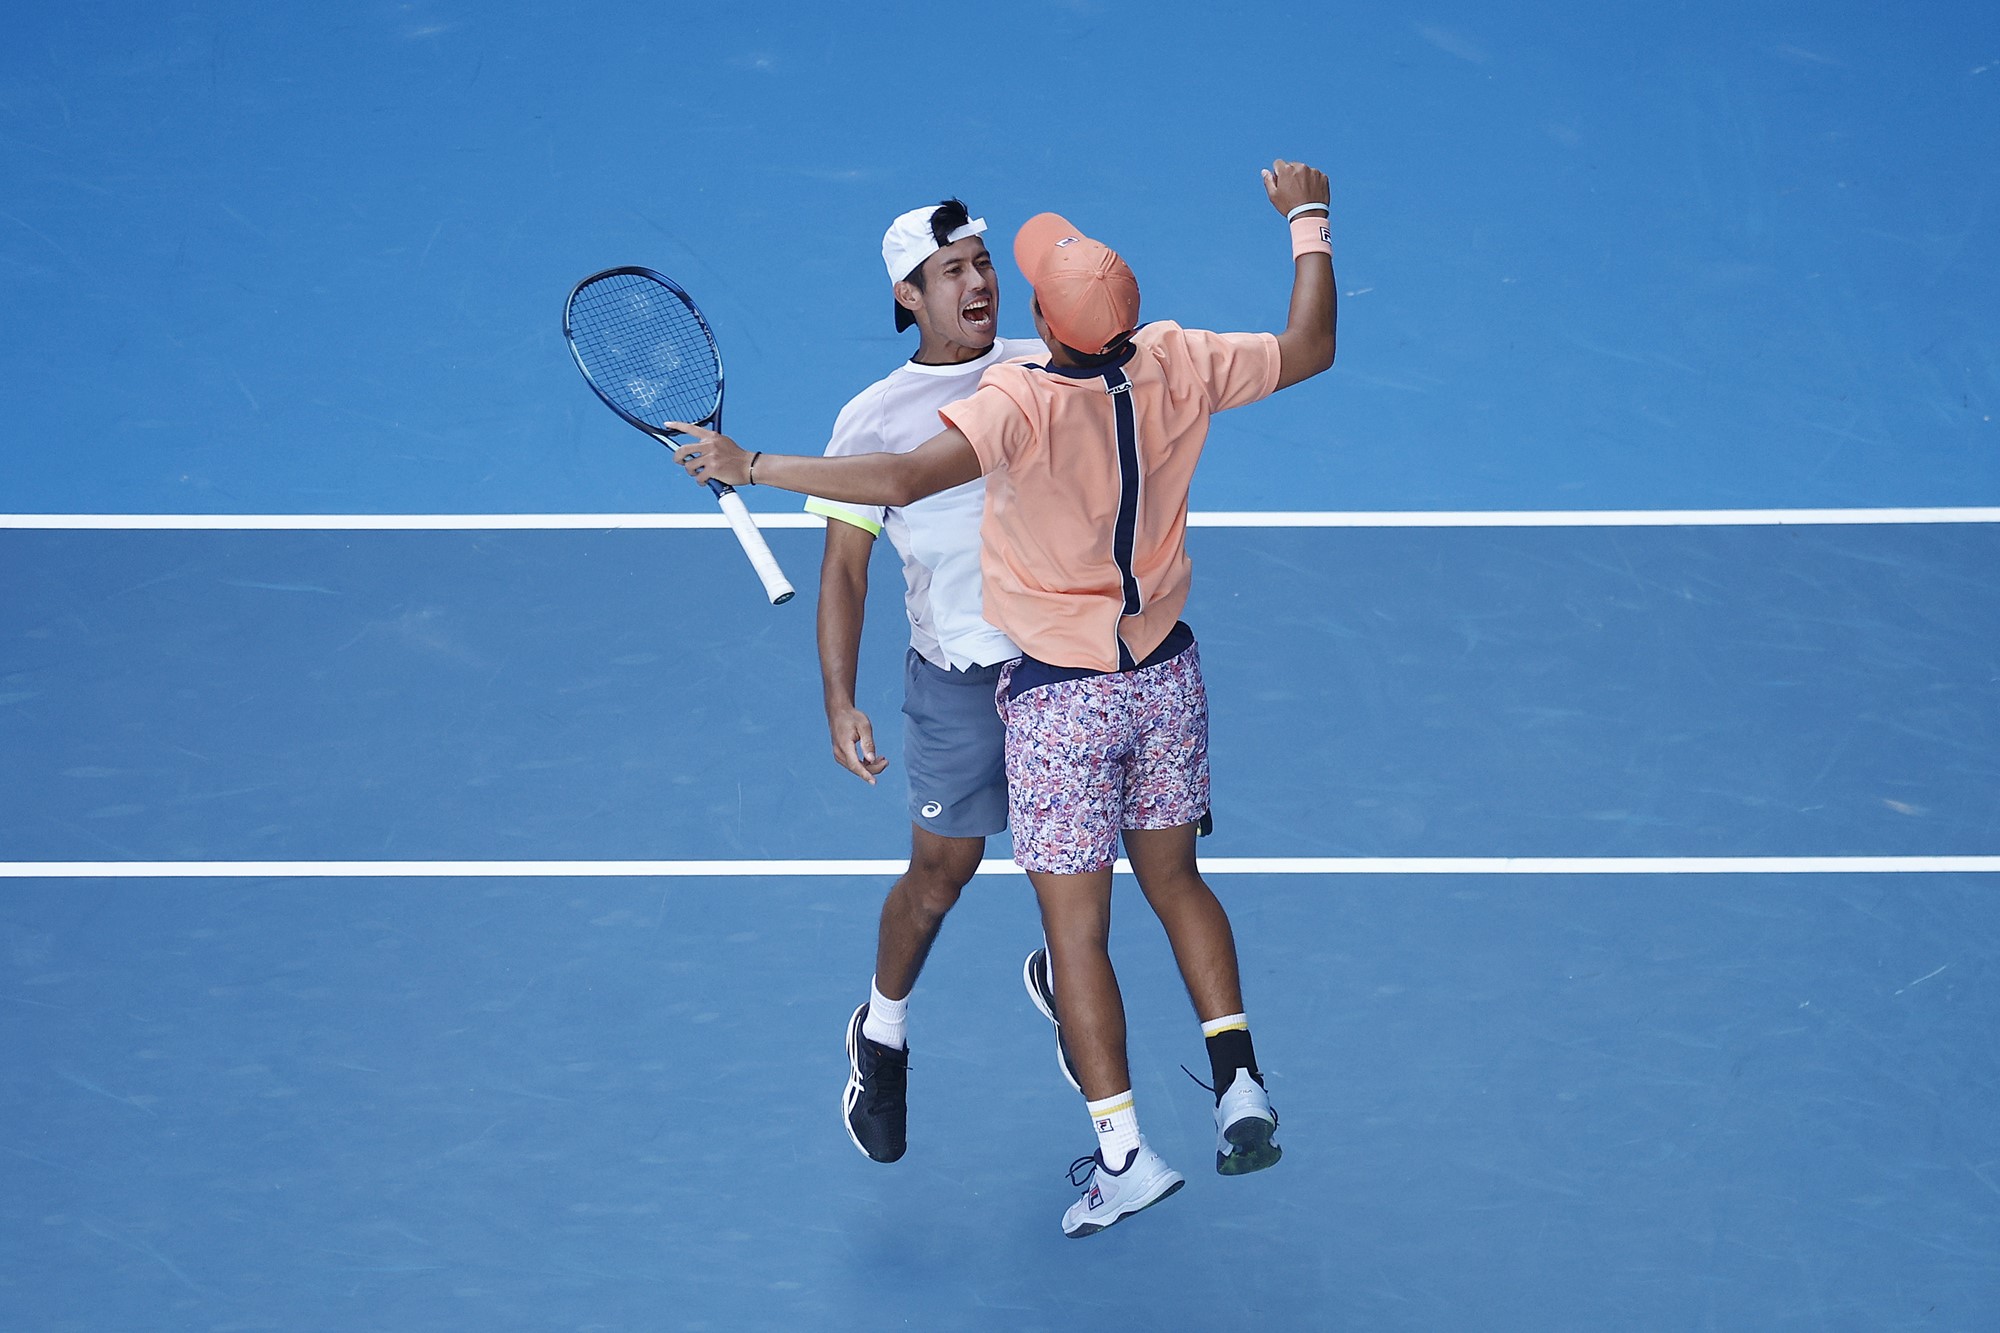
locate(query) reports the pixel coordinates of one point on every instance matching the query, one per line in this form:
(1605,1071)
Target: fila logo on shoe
(1095,1197)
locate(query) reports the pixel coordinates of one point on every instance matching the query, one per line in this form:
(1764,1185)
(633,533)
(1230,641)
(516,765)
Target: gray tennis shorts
(954,749)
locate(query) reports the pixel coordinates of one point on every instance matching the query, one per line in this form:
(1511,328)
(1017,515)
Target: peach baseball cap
(1087,293)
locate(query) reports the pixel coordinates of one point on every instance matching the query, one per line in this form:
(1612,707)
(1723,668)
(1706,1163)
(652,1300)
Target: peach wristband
(1311,236)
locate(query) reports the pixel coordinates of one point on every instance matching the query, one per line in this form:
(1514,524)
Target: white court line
(1540,518)
(1217,865)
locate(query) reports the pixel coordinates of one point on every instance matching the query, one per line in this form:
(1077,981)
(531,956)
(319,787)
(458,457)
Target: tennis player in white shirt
(953,739)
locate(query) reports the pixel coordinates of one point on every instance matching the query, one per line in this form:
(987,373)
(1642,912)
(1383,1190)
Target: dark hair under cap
(950,215)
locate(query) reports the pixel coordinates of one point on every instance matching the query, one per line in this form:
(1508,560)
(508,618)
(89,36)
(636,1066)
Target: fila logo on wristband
(1311,236)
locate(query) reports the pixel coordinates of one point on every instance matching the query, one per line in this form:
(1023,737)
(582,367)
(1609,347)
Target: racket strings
(644,349)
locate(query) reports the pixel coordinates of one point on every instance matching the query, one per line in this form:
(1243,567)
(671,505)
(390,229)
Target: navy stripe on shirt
(1125,534)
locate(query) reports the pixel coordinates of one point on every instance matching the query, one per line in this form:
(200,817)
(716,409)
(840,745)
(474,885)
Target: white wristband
(1293,216)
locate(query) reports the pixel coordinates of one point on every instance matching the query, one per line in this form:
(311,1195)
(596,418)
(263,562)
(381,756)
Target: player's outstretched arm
(843,597)
(1306,347)
(939,463)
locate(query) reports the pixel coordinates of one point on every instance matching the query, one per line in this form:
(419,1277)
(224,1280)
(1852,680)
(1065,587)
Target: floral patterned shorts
(1088,758)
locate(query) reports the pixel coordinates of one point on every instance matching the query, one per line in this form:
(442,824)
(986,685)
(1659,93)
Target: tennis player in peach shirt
(1088,459)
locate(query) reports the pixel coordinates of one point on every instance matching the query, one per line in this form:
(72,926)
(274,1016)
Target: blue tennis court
(426,900)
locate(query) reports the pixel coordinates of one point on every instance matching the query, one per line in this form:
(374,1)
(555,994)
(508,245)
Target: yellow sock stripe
(1125,1105)
(1217,1028)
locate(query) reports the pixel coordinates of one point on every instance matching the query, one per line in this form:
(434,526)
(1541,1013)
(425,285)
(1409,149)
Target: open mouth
(978,314)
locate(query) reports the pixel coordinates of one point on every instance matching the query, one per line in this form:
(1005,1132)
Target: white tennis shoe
(1244,1124)
(1112,1196)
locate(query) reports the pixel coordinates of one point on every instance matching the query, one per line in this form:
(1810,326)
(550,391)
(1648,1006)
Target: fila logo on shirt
(1126,387)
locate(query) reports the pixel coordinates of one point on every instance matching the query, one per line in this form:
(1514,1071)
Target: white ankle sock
(1117,1124)
(888,1021)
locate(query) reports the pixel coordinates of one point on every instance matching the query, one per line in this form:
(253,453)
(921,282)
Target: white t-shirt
(938,536)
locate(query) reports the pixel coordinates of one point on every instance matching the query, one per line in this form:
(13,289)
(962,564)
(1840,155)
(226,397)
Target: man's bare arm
(843,596)
(1306,347)
(938,464)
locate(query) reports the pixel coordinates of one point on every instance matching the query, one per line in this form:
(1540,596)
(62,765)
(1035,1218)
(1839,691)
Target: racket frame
(713,419)
(776,586)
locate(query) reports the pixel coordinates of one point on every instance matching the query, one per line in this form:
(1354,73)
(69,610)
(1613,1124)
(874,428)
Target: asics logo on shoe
(931,810)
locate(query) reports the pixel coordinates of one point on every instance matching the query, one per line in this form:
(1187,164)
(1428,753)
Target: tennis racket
(645,350)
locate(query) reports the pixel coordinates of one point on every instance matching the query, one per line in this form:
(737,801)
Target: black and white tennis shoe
(1035,977)
(876,1104)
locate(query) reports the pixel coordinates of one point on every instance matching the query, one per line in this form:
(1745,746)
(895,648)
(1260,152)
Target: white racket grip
(775,585)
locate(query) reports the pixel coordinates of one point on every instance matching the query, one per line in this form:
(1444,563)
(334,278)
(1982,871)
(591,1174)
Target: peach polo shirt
(1084,554)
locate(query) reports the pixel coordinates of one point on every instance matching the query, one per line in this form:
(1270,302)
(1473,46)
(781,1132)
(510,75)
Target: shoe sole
(1042,1000)
(1251,1148)
(853,1092)
(1092,1228)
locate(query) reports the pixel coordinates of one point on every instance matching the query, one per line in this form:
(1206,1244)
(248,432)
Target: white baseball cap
(909,242)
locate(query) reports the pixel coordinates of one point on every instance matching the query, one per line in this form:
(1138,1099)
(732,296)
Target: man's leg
(1076,921)
(953,755)
(1063,740)
(876,1102)
(1205,948)
(1124,1176)
(915,909)
(1167,793)
(1196,926)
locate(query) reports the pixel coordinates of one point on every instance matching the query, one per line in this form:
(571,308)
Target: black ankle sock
(1228,1052)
